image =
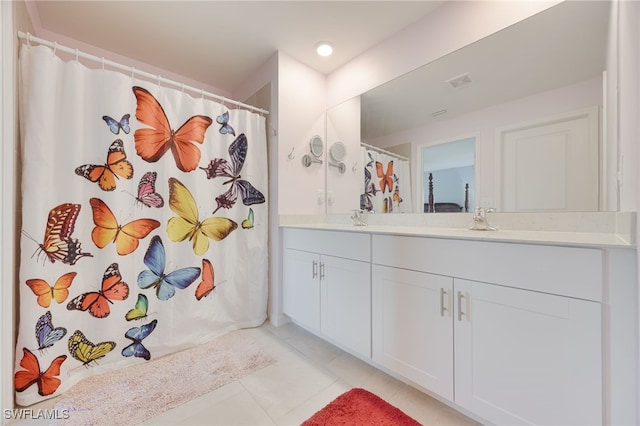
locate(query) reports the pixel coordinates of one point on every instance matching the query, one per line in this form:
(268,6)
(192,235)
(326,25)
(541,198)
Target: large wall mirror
(534,97)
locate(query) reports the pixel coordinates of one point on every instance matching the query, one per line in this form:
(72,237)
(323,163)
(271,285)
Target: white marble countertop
(616,235)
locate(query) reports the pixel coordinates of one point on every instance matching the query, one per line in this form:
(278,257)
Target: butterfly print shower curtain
(136,205)
(386,187)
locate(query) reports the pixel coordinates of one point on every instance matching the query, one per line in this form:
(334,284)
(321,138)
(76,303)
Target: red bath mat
(360,407)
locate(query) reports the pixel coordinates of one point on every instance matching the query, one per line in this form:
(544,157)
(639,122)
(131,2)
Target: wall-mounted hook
(291,156)
(354,167)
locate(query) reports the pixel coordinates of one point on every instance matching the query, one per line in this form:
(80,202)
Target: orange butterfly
(58,244)
(152,143)
(125,236)
(106,175)
(59,291)
(386,179)
(47,382)
(97,302)
(206,286)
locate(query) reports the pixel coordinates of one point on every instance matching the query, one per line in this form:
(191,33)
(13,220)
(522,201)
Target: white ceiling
(222,43)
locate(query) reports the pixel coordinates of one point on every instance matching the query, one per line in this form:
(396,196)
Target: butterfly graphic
(371,160)
(152,143)
(137,334)
(386,179)
(248,222)
(223,121)
(140,309)
(126,237)
(117,166)
(396,195)
(97,302)
(387,205)
(46,334)
(58,244)
(115,126)
(47,381)
(370,191)
(165,284)
(59,291)
(147,194)
(84,351)
(207,285)
(187,224)
(221,167)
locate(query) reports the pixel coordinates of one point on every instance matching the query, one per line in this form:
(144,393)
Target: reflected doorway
(448,179)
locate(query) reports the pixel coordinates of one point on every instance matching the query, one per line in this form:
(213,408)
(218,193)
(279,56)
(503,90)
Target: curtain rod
(384,151)
(52,44)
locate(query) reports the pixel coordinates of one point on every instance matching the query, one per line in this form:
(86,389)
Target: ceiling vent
(459,81)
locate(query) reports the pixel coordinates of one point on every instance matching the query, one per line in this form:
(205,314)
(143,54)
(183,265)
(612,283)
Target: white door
(551,165)
(301,288)
(345,300)
(523,357)
(413,327)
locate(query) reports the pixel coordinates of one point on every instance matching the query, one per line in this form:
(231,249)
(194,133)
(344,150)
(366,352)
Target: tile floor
(307,375)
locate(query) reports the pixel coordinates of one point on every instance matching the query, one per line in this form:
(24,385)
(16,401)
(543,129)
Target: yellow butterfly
(248,222)
(85,351)
(188,225)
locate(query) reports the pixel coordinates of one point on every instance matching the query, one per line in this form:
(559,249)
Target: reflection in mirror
(449,176)
(543,67)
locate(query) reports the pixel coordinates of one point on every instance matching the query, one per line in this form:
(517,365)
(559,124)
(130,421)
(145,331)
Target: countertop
(618,234)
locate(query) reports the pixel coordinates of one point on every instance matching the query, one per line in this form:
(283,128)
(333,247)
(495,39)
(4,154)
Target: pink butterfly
(147,194)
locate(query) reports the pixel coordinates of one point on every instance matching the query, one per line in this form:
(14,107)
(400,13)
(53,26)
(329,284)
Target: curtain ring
(77,54)
(29,39)
(103,63)
(202,93)
(55,47)
(133,71)
(159,78)
(182,87)
(222,100)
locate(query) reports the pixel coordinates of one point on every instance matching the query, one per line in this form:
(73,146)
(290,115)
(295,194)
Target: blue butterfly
(115,126)
(46,334)
(165,284)
(223,121)
(137,334)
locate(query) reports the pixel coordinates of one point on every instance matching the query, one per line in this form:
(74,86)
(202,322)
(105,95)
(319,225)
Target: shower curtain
(387,183)
(144,222)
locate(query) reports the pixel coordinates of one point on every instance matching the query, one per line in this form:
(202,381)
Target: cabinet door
(346,303)
(413,326)
(301,288)
(523,357)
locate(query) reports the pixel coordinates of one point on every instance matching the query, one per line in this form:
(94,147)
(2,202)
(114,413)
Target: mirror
(550,65)
(316,146)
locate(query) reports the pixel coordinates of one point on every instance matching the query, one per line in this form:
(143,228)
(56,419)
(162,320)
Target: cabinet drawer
(349,245)
(567,271)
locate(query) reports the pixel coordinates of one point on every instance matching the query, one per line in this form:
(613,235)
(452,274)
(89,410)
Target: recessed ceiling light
(324,48)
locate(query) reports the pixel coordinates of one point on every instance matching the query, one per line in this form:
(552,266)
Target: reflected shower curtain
(144,222)
(387,183)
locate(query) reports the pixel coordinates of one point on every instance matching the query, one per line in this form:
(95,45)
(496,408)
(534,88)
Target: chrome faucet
(359,219)
(480,222)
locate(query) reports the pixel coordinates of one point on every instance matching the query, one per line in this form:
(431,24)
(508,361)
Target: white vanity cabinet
(327,285)
(520,344)
(524,357)
(413,327)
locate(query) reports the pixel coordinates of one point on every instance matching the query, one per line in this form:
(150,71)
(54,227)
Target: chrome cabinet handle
(322,270)
(460,313)
(314,272)
(443,308)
